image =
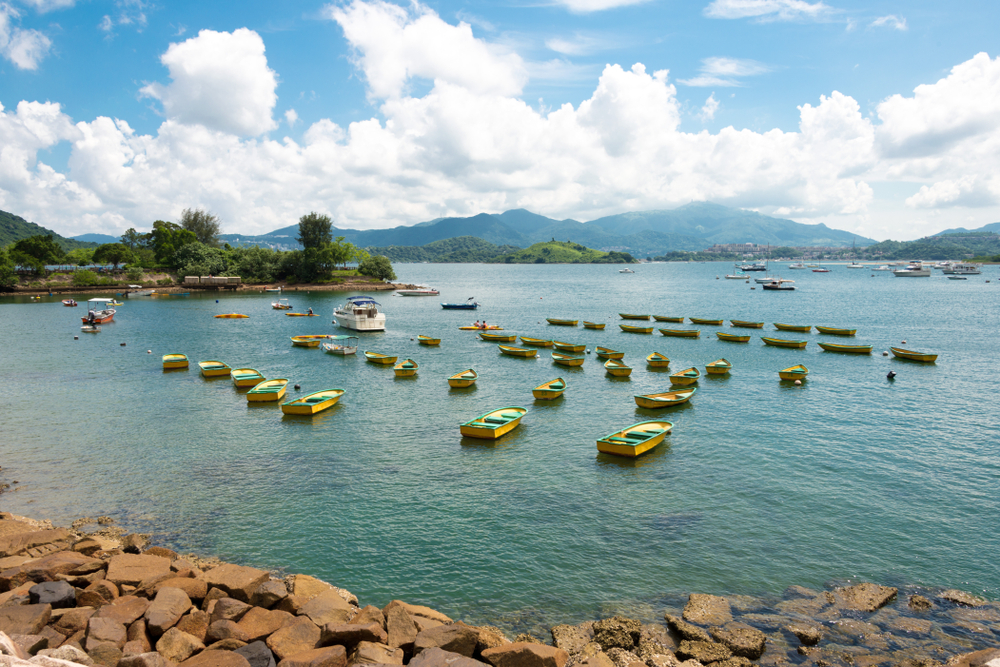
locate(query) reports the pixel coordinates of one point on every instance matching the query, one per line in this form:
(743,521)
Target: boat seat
(510,415)
(316,399)
(495,420)
(556,385)
(623,441)
(655,431)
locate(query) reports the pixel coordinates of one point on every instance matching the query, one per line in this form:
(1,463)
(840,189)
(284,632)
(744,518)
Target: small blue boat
(468,305)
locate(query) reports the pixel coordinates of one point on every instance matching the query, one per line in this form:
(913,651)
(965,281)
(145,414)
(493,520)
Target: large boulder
(703,652)
(371,653)
(125,610)
(196,589)
(707,610)
(229,609)
(400,628)
(865,597)
(741,639)
(238,581)
(212,658)
(72,621)
(617,632)
(257,654)
(524,654)
(105,631)
(989,657)
(69,654)
(97,594)
(166,609)
(572,638)
(436,657)
(258,622)
(454,637)
(808,634)
(59,594)
(27,619)
(178,646)
(296,637)
(223,630)
(349,635)
(195,624)
(367,615)
(17,542)
(685,630)
(328,656)
(269,594)
(962,598)
(419,611)
(148,659)
(49,568)
(327,607)
(133,569)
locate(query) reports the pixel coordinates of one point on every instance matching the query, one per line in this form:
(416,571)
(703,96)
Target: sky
(879,117)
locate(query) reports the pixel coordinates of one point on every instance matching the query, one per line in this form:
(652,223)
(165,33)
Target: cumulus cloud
(768,10)
(890,21)
(725,72)
(291,117)
(971,191)
(24,48)
(219,80)
(587,6)
(577,45)
(708,110)
(43,6)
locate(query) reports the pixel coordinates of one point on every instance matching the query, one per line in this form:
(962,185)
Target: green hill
(13,228)
(563,252)
(943,246)
(458,249)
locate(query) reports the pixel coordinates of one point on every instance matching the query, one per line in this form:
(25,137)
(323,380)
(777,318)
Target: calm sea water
(760,485)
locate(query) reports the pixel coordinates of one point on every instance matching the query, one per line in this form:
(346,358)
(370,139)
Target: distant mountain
(13,228)
(992,227)
(96,238)
(458,249)
(563,252)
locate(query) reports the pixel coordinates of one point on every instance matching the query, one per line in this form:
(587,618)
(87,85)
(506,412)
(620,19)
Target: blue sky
(119,113)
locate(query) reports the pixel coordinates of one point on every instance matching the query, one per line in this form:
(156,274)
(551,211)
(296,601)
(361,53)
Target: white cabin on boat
(360,313)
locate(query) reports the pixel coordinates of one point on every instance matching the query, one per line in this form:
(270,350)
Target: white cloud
(587,6)
(578,45)
(970,191)
(708,110)
(291,117)
(43,6)
(24,48)
(768,10)
(129,13)
(724,72)
(890,21)
(220,80)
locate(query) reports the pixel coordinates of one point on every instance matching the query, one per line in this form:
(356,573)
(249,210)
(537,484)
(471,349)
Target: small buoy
(149,352)
(891,375)
(884,353)
(217,301)
(588,351)
(904,342)
(411,339)
(753,288)
(798,383)
(123,344)
(297,387)
(76,338)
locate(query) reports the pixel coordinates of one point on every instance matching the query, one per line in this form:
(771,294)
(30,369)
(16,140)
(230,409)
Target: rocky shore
(73,596)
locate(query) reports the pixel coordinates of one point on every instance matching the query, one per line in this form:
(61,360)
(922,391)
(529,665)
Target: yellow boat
(561,323)
(379,358)
(231,316)
(681,333)
(312,403)
(537,342)
(632,316)
(491,327)
(281,304)
(701,320)
(913,356)
(628,328)
(635,440)
(781,342)
(246,377)
(512,351)
(668,318)
(803,328)
(566,359)
(116,303)
(497,338)
(852,349)
(569,347)
(268,390)
(406,368)
(718,367)
(617,368)
(466,378)
(608,353)
(549,390)
(685,377)
(593,325)
(301,315)
(732,338)
(307,341)
(493,424)
(797,372)
(834,331)
(665,399)
(657,360)
(211,369)
(175,361)
(427,340)
(747,325)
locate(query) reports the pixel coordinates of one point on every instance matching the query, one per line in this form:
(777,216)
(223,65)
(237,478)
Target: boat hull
(360,323)
(594,325)
(427,340)
(246,377)
(521,352)
(232,316)
(464,379)
(313,403)
(657,360)
(497,338)
(568,347)
(666,399)
(794,373)
(699,320)
(175,361)
(717,368)
(211,369)
(781,342)
(638,330)
(493,424)
(381,359)
(537,342)
(608,353)
(913,356)
(268,391)
(406,368)
(566,360)
(635,440)
(633,316)
(616,368)
(686,377)
(460,306)
(306,341)
(846,349)
(801,328)
(681,333)
(833,331)
(747,325)
(732,338)
(549,390)
(561,323)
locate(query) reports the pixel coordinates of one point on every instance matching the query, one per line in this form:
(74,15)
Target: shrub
(164,282)
(378,267)
(134,274)
(84,278)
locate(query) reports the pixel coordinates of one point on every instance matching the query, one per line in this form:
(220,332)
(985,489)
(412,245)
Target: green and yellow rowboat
(268,390)
(781,342)
(912,355)
(700,320)
(379,358)
(308,341)
(313,403)
(497,338)
(632,316)
(593,325)
(797,372)
(635,440)
(246,377)
(834,331)
(668,318)
(405,369)
(849,349)
(802,328)
(685,377)
(466,378)
(567,359)
(569,347)
(665,399)
(549,390)
(211,369)
(657,360)
(493,424)
(175,361)
(746,325)
(719,367)
(628,328)
(561,323)
(523,352)
(608,353)
(617,368)
(732,338)
(427,340)
(681,333)
(537,342)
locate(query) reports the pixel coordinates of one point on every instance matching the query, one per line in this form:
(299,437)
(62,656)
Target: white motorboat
(797,265)
(99,311)
(626,270)
(360,313)
(343,345)
(913,270)
(281,304)
(771,279)
(753,266)
(419,290)
(779,286)
(855,265)
(962,269)
(884,267)
(137,290)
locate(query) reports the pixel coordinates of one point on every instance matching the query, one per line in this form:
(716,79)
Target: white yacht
(962,269)
(626,270)
(797,265)
(913,270)
(418,290)
(360,313)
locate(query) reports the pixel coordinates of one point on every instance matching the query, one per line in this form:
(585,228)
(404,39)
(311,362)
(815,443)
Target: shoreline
(358,286)
(122,597)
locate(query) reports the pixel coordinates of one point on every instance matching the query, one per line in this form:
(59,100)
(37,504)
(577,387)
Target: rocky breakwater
(72,598)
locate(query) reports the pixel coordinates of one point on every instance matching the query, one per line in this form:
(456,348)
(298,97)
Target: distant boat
(797,372)
(657,360)
(70,302)
(747,325)
(567,359)
(379,358)
(732,338)
(635,440)
(308,341)
(549,390)
(593,325)
(231,316)
(608,353)
(493,424)
(246,377)
(853,349)
(681,333)
(313,403)
(913,270)
(666,318)
(666,399)
(406,368)
(466,378)
(719,367)
(342,345)
(632,316)
(685,377)
(803,328)
(471,304)
(629,328)
(836,331)
(175,361)
(778,286)
(797,265)
(211,369)
(427,340)
(281,304)
(497,338)
(537,342)
(569,347)
(617,368)
(913,355)
(626,270)
(523,352)
(561,323)
(700,320)
(781,342)
(420,291)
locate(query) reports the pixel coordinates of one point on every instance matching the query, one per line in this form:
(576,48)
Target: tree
(341,251)
(113,253)
(198,259)
(315,230)
(378,267)
(134,240)
(37,251)
(8,276)
(167,239)
(80,256)
(202,224)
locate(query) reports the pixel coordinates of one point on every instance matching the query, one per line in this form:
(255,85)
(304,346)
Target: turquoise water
(760,485)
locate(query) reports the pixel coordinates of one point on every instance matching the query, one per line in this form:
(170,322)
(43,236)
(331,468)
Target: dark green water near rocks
(761,484)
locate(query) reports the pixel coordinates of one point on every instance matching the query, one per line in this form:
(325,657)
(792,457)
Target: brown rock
(220,630)
(743,640)
(454,637)
(238,581)
(369,653)
(520,654)
(300,635)
(707,610)
(622,658)
(401,629)
(292,604)
(962,598)
(73,620)
(912,626)
(865,597)
(349,635)
(435,657)
(370,614)
(18,543)
(31,644)
(919,603)
(327,607)
(599,659)
(806,633)
(735,661)
(166,609)
(134,569)
(527,638)
(617,632)
(269,594)
(229,609)
(137,633)
(418,611)
(106,655)
(572,638)
(162,552)
(194,588)
(68,653)
(195,624)
(855,628)
(686,630)
(329,656)
(489,637)
(105,631)
(210,597)
(178,646)
(649,647)
(703,652)
(258,623)
(55,639)
(216,659)
(149,659)
(306,587)
(148,587)
(48,568)
(125,610)
(424,623)
(26,619)
(230,644)
(986,657)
